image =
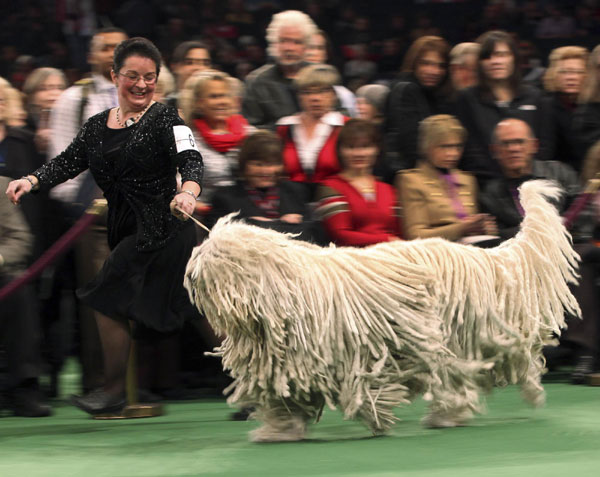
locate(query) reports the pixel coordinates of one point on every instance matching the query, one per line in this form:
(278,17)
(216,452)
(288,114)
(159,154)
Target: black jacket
(479,114)
(146,176)
(20,157)
(564,145)
(497,199)
(586,125)
(292,200)
(407,105)
(269,96)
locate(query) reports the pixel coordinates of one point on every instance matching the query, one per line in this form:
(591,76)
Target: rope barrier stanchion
(57,249)
(134,409)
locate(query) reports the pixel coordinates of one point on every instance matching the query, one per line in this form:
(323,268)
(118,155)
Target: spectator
(208,108)
(18,155)
(463,65)
(73,107)
(360,69)
(498,95)
(165,85)
(586,122)
(319,52)
(269,92)
(19,327)
(260,194)
(438,200)
(310,136)
(78,103)
(14,113)
(514,145)
(355,208)
(563,81)
(188,58)
(42,88)
(422,91)
(370,100)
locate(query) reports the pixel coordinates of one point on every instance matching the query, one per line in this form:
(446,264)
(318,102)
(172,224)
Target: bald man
(514,147)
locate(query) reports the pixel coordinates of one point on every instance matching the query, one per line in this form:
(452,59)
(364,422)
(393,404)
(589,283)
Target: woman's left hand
(183,202)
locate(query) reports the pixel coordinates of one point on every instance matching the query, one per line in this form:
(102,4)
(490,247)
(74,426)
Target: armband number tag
(184,139)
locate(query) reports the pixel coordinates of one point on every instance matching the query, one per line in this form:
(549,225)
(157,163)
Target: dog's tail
(543,256)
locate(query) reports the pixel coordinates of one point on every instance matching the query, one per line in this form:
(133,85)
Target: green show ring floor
(197,438)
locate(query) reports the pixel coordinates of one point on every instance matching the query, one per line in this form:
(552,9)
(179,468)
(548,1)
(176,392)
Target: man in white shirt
(81,101)
(72,109)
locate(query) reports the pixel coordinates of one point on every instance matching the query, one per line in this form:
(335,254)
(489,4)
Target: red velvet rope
(55,251)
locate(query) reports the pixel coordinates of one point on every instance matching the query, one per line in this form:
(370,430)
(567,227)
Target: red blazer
(327,161)
(350,219)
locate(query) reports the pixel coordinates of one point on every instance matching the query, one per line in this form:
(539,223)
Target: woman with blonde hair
(438,199)
(586,122)
(208,106)
(14,113)
(563,83)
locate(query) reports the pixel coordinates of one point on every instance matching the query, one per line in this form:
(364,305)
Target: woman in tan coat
(438,200)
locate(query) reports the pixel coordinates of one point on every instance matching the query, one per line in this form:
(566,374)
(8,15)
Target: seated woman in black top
(563,81)
(134,152)
(260,196)
(586,122)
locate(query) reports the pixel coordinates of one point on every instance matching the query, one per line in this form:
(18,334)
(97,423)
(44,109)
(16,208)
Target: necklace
(131,121)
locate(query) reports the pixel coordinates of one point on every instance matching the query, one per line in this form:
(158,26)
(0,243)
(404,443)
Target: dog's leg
(378,417)
(531,387)
(457,396)
(281,422)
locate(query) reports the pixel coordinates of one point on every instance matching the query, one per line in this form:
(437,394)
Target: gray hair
(293,18)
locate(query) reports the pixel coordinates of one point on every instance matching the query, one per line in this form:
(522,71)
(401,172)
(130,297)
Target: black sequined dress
(142,279)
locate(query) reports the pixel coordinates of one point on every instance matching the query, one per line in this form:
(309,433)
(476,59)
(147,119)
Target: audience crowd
(337,121)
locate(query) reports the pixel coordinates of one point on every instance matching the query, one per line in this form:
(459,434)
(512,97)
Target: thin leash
(196,221)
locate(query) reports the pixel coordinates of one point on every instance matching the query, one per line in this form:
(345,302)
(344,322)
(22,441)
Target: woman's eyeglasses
(133,78)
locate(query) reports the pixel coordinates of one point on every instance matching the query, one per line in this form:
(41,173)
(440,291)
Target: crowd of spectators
(338,121)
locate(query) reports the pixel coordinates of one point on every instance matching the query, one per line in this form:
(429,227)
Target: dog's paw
(436,421)
(269,434)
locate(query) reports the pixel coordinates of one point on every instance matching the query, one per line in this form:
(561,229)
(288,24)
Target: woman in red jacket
(310,136)
(356,209)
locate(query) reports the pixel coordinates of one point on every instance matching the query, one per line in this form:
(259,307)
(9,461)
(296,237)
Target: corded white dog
(370,329)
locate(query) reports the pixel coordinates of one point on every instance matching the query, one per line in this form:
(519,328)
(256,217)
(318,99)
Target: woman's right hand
(474,224)
(18,188)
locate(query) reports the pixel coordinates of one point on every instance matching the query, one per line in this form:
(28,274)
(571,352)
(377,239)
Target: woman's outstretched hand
(17,189)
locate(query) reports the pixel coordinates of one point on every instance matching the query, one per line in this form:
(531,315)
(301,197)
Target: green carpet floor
(197,438)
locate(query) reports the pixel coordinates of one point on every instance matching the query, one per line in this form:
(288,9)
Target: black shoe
(100,402)
(27,402)
(583,367)
(243,414)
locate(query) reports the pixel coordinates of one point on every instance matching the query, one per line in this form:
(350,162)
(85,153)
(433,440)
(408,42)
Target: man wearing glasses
(514,147)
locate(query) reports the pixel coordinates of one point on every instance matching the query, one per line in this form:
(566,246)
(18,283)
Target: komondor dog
(370,329)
